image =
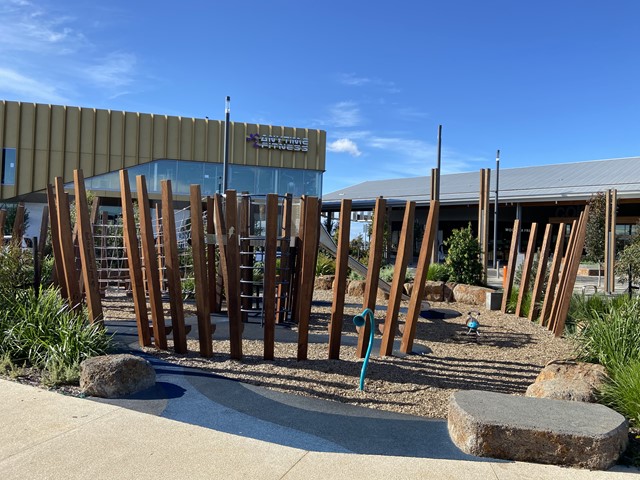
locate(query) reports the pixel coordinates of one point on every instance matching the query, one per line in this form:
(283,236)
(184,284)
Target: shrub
(622,392)
(463,257)
(438,272)
(611,337)
(386,274)
(512,303)
(325,265)
(45,333)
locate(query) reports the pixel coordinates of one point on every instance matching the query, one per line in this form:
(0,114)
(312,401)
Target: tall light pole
(225,158)
(495,214)
(436,195)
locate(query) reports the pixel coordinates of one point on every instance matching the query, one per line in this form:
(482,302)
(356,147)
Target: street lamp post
(225,159)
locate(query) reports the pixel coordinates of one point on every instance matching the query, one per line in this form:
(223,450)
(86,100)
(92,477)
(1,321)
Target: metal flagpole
(495,214)
(225,161)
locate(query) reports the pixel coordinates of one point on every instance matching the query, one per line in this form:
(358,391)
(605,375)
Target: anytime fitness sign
(277,142)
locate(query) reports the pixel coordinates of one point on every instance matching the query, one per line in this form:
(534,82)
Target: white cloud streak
(345,114)
(25,87)
(344,145)
(115,70)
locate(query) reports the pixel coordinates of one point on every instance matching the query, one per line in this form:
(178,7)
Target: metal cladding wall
(53,140)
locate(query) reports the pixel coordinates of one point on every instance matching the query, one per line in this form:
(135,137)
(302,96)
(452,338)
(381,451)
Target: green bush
(512,303)
(386,274)
(438,272)
(43,332)
(463,257)
(622,392)
(611,337)
(325,265)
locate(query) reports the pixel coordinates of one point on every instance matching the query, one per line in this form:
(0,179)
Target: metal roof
(569,181)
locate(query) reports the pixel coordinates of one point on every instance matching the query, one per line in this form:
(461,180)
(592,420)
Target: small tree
(10,219)
(463,258)
(594,240)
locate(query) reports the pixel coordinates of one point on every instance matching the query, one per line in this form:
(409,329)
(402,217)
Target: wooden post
(307,274)
(340,281)
(246,258)
(299,242)
(87,251)
(70,276)
(483,218)
(270,290)
(553,275)
(285,274)
(542,269)
(200,272)
(511,269)
(572,271)
(18,224)
(564,265)
(160,248)
(44,228)
(526,268)
(214,305)
(612,246)
(58,261)
(417,294)
(133,259)
(373,273)
(397,286)
(172,263)
(607,244)
(3,219)
(227,236)
(151,265)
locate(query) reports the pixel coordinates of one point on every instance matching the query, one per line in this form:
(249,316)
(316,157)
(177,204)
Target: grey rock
(113,376)
(324,282)
(541,430)
(434,291)
(356,288)
(568,380)
(470,294)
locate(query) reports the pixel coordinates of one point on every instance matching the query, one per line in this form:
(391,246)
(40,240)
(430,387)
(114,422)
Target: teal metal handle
(359,321)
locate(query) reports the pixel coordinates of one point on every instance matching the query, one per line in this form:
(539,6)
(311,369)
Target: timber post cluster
(562,274)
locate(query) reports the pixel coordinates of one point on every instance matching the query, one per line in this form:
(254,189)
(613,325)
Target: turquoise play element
(359,321)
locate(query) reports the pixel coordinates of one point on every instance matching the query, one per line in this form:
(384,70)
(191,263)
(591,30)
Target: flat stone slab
(541,430)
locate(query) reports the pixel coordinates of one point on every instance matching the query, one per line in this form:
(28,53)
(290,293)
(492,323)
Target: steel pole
(225,158)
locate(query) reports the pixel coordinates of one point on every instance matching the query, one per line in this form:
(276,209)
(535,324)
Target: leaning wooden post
(553,276)
(214,305)
(246,257)
(526,268)
(58,261)
(87,251)
(397,286)
(200,272)
(18,224)
(562,276)
(563,309)
(173,268)
(133,259)
(3,219)
(340,281)
(160,248)
(44,228)
(151,265)
(373,275)
(227,239)
(417,294)
(307,274)
(270,290)
(297,268)
(483,219)
(542,269)
(66,246)
(511,269)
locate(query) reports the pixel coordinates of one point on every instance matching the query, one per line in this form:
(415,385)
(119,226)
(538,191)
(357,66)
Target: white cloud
(344,145)
(115,70)
(345,114)
(352,80)
(24,87)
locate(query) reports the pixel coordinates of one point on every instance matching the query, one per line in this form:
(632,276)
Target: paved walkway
(193,424)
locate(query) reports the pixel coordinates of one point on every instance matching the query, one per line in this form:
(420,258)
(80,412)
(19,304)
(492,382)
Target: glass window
(188,173)
(212,182)
(8,166)
(242,178)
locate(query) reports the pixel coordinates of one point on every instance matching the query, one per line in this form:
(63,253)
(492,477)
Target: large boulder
(470,294)
(324,282)
(356,288)
(568,380)
(447,292)
(113,376)
(434,291)
(487,424)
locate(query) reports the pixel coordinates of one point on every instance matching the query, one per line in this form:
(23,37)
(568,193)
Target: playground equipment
(360,321)
(473,323)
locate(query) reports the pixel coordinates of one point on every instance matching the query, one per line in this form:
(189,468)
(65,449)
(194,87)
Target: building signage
(279,142)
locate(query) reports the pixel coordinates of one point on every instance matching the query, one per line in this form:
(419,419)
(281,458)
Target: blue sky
(544,82)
